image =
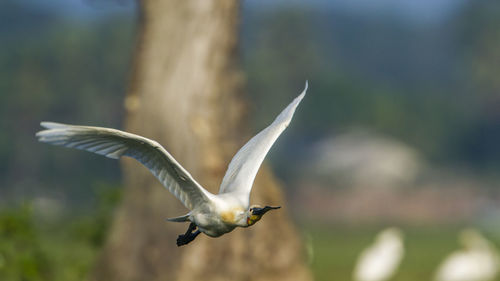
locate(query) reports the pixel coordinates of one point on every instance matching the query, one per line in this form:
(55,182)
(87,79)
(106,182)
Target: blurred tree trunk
(186,94)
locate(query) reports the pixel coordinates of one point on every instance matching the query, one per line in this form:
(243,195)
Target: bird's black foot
(189,236)
(184,239)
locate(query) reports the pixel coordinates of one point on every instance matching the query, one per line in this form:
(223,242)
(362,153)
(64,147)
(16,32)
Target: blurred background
(401,126)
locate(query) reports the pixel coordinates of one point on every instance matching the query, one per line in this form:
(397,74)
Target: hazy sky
(421,11)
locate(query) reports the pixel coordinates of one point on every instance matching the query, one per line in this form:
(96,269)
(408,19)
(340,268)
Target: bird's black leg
(189,236)
(186,239)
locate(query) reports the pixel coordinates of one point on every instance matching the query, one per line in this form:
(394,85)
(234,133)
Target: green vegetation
(21,254)
(33,248)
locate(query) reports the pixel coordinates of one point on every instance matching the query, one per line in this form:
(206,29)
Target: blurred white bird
(212,214)
(381,260)
(477,261)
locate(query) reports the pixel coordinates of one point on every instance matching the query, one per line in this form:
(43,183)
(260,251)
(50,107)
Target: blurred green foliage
(63,249)
(21,255)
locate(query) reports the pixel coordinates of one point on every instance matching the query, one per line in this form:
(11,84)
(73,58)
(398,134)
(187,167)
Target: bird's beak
(262,211)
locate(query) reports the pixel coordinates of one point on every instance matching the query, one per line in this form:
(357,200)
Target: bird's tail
(180,219)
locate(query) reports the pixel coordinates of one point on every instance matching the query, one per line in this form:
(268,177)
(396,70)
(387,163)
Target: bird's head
(256,212)
(473,239)
(390,234)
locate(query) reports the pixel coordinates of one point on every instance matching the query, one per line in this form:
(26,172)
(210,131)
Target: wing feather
(245,164)
(114,144)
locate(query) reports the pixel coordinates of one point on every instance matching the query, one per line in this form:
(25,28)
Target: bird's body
(478,261)
(380,261)
(212,214)
(222,216)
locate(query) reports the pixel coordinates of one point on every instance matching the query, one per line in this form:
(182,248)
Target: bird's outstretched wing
(114,144)
(245,164)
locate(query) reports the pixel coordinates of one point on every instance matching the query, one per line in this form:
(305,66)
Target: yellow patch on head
(253,219)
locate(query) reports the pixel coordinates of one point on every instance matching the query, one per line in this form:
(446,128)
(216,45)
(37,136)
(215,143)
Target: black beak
(262,211)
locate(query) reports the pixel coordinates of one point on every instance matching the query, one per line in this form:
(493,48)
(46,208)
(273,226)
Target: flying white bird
(477,261)
(212,214)
(380,261)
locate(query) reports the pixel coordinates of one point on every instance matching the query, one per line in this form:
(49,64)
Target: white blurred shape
(380,261)
(477,261)
(362,158)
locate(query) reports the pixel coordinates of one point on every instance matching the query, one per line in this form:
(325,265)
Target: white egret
(477,261)
(380,261)
(212,214)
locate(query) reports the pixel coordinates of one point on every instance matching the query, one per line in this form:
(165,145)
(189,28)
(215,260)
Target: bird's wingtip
(48,131)
(306,86)
(301,96)
(51,125)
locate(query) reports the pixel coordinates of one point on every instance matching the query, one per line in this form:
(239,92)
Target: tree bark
(186,93)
